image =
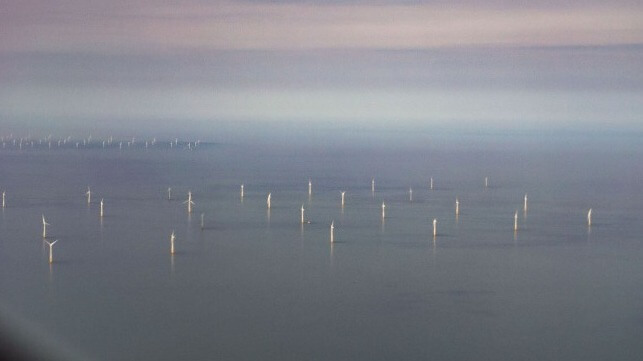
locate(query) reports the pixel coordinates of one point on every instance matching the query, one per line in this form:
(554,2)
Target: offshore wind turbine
(172,239)
(3,199)
(589,217)
(524,207)
(457,207)
(310,187)
(241,190)
(44,227)
(169,193)
(343,194)
(189,202)
(332,232)
(383,210)
(373,185)
(516,221)
(302,213)
(268,200)
(486,182)
(51,251)
(435,227)
(410,194)
(89,195)
(431,183)
(101,208)
(202,221)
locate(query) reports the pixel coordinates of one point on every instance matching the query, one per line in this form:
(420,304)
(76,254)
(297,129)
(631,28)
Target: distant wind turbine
(373,185)
(435,227)
(172,239)
(516,221)
(101,208)
(410,194)
(51,251)
(457,207)
(383,210)
(268,200)
(486,182)
(241,190)
(202,221)
(343,194)
(169,193)
(310,187)
(332,232)
(3,199)
(431,183)
(89,195)
(44,227)
(589,217)
(302,213)
(189,202)
(524,207)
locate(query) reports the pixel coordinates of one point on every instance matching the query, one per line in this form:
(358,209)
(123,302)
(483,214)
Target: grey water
(257,285)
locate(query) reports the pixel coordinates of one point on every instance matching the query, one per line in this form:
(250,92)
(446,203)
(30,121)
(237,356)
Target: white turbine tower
(383,210)
(457,207)
(332,232)
(189,202)
(44,227)
(516,221)
(302,213)
(89,195)
(589,217)
(435,227)
(343,197)
(101,208)
(51,251)
(172,239)
(268,200)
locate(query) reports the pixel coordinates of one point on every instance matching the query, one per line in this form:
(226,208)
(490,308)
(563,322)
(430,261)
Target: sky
(209,67)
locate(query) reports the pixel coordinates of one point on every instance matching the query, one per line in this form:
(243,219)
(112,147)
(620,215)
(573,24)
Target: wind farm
(403,230)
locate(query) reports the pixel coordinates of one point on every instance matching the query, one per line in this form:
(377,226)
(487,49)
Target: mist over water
(257,285)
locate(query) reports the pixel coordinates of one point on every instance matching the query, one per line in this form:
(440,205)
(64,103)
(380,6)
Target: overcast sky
(140,64)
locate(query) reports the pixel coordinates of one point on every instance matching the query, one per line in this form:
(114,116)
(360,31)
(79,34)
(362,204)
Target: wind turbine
(169,193)
(589,217)
(310,187)
(89,195)
(44,227)
(332,232)
(410,194)
(457,207)
(51,251)
(241,190)
(525,204)
(302,213)
(383,210)
(435,227)
(268,200)
(3,199)
(189,202)
(516,221)
(172,239)
(101,208)
(343,194)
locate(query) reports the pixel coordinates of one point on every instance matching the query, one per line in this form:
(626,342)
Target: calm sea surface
(256,285)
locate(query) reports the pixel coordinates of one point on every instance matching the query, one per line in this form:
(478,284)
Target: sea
(252,283)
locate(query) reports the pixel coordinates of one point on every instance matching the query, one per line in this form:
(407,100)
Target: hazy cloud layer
(142,25)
